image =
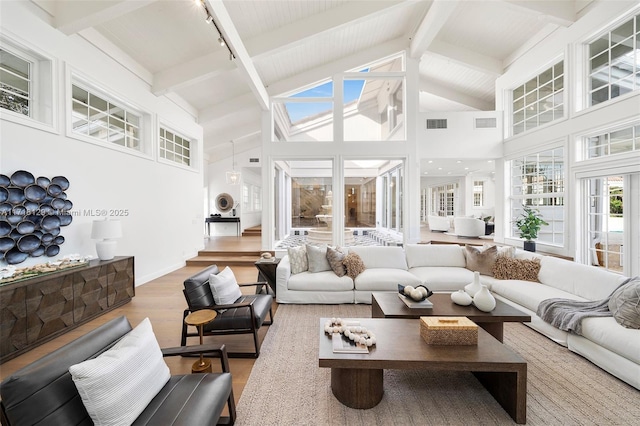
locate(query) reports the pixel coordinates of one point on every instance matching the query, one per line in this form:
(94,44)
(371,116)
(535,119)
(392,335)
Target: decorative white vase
(461,297)
(484,300)
(473,287)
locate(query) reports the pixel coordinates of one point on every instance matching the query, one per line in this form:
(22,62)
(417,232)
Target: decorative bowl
(58,240)
(4,194)
(22,178)
(5,228)
(6,244)
(16,195)
(429,292)
(47,239)
(26,227)
(61,181)
(54,190)
(5,208)
(43,182)
(4,181)
(57,203)
(28,243)
(15,256)
(65,219)
(50,223)
(35,193)
(52,250)
(38,252)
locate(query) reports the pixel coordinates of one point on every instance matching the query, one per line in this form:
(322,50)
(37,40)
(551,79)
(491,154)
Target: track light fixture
(209,19)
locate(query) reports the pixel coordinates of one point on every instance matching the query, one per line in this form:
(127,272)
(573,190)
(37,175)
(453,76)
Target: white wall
(163,223)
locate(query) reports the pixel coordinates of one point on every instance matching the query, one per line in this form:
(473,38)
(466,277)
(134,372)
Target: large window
(15,83)
(606,221)
(611,143)
(614,62)
(99,118)
(540,100)
(174,147)
(444,199)
(478,193)
(538,180)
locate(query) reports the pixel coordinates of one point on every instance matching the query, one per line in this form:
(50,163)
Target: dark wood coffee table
(357,379)
(389,305)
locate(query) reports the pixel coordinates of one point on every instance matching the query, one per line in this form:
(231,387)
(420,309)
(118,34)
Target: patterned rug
(286,386)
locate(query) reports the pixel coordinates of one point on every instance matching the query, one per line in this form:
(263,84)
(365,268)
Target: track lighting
(209,19)
(221,41)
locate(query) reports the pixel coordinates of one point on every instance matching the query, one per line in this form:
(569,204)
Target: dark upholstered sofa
(44,393)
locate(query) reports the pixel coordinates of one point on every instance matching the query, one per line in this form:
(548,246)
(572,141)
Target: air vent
(436,123)
(254,160)
(486,123)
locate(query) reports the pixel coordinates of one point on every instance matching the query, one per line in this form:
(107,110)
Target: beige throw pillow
(481,260)
(507,268)
(354,265)
(335,258)
(298,259)
(317,258)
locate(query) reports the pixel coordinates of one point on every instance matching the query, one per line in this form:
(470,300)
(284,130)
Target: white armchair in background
(468,227)
(438,223)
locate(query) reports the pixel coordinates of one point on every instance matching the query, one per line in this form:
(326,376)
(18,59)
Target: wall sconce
(107,231)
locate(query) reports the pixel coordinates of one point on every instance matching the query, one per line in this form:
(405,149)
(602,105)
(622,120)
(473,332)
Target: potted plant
(529,223)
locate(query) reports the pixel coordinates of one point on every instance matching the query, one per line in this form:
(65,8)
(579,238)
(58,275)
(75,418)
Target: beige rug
(286,386)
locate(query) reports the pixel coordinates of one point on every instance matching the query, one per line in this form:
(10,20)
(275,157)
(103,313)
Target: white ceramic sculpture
(461,298)
(484,300)
(473,287)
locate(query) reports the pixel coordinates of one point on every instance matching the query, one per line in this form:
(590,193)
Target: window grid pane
(611,143)
(15,83)
(539,101)
(99,118)
(174,147)
(614,60)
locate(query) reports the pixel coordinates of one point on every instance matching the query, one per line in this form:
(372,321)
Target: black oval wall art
(32,210)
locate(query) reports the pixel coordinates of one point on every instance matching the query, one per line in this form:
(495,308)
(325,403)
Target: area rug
(286,386)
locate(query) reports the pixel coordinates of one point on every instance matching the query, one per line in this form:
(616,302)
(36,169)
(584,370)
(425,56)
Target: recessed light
(466,168)
(490,161)
(439,168)
(426,173)
(458,161)
(448,173)
(430,161)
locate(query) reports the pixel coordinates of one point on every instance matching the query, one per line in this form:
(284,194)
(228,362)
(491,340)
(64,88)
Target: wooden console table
(38,309)
(222,219)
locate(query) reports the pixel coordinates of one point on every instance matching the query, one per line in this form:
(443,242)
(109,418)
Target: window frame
(193,146)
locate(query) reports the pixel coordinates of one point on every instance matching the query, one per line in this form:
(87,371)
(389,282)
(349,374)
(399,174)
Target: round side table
(200,319)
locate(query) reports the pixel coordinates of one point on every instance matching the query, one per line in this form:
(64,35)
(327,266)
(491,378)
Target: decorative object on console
(224,202)
(417,293)
(107,231)
(461,298)
(266,255)
(473,287)
(484,300)
(33,208)
(529,224)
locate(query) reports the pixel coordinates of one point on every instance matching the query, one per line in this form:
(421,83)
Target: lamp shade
(233,178)
(106,229)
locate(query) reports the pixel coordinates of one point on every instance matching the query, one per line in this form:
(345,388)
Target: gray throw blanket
(567,314)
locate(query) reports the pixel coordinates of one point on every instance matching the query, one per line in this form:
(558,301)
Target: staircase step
(223,261)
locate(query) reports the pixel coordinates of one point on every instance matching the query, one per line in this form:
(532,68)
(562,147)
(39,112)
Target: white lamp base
(106,249)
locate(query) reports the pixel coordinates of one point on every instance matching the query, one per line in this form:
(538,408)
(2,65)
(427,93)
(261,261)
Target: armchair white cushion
(438,223)
(468,227)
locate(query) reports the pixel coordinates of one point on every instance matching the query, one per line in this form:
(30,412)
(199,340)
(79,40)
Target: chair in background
(438,223)
(245,316)
(468,227)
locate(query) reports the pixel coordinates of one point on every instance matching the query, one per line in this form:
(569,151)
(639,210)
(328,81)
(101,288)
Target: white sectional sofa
(604,342)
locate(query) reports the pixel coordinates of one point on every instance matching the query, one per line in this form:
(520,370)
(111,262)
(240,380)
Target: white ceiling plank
(557,12)
(227,108)
(530,44)
(327,70)
(105,45)
(215,136)
(297,32)
(243,60)
(466,57)
(191,72)
(438,89)
(74,16)
(434,20)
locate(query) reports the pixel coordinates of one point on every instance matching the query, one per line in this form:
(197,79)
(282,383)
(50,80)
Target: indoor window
(478,193)
(611,143)
(97,117)
(538,181)
(614,62)
(606,221)
(540,100)
(174,147)
(15,83)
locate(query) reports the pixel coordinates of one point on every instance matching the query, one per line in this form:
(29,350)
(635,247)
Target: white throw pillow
(298,259)
(224,287)
(117,385)
(317,259)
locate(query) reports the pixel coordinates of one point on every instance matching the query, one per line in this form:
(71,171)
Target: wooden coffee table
(357,379)
(389,305)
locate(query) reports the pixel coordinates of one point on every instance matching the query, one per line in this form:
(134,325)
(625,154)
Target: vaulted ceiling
(281,45)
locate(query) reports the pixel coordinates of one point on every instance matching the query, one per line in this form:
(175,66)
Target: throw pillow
(117,385)
(481,261)
(507,268)
(317,258)
(508,251)
(335,258)
(624,304)
(354,265)
(224,287)
(298,259)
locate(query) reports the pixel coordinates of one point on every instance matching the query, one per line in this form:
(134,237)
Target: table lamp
(107,231)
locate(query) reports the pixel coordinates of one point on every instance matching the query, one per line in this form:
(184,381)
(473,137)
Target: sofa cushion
(381,256)
(335,258)
(353,264)
(317,258)
(606,332)
(624,304)
(443,278)
(384,279)
(506,268)
(527,293)
(435,255)
(320,281)
(224,287)
(298,259)
(117,386)
(586,281)
(481,260)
